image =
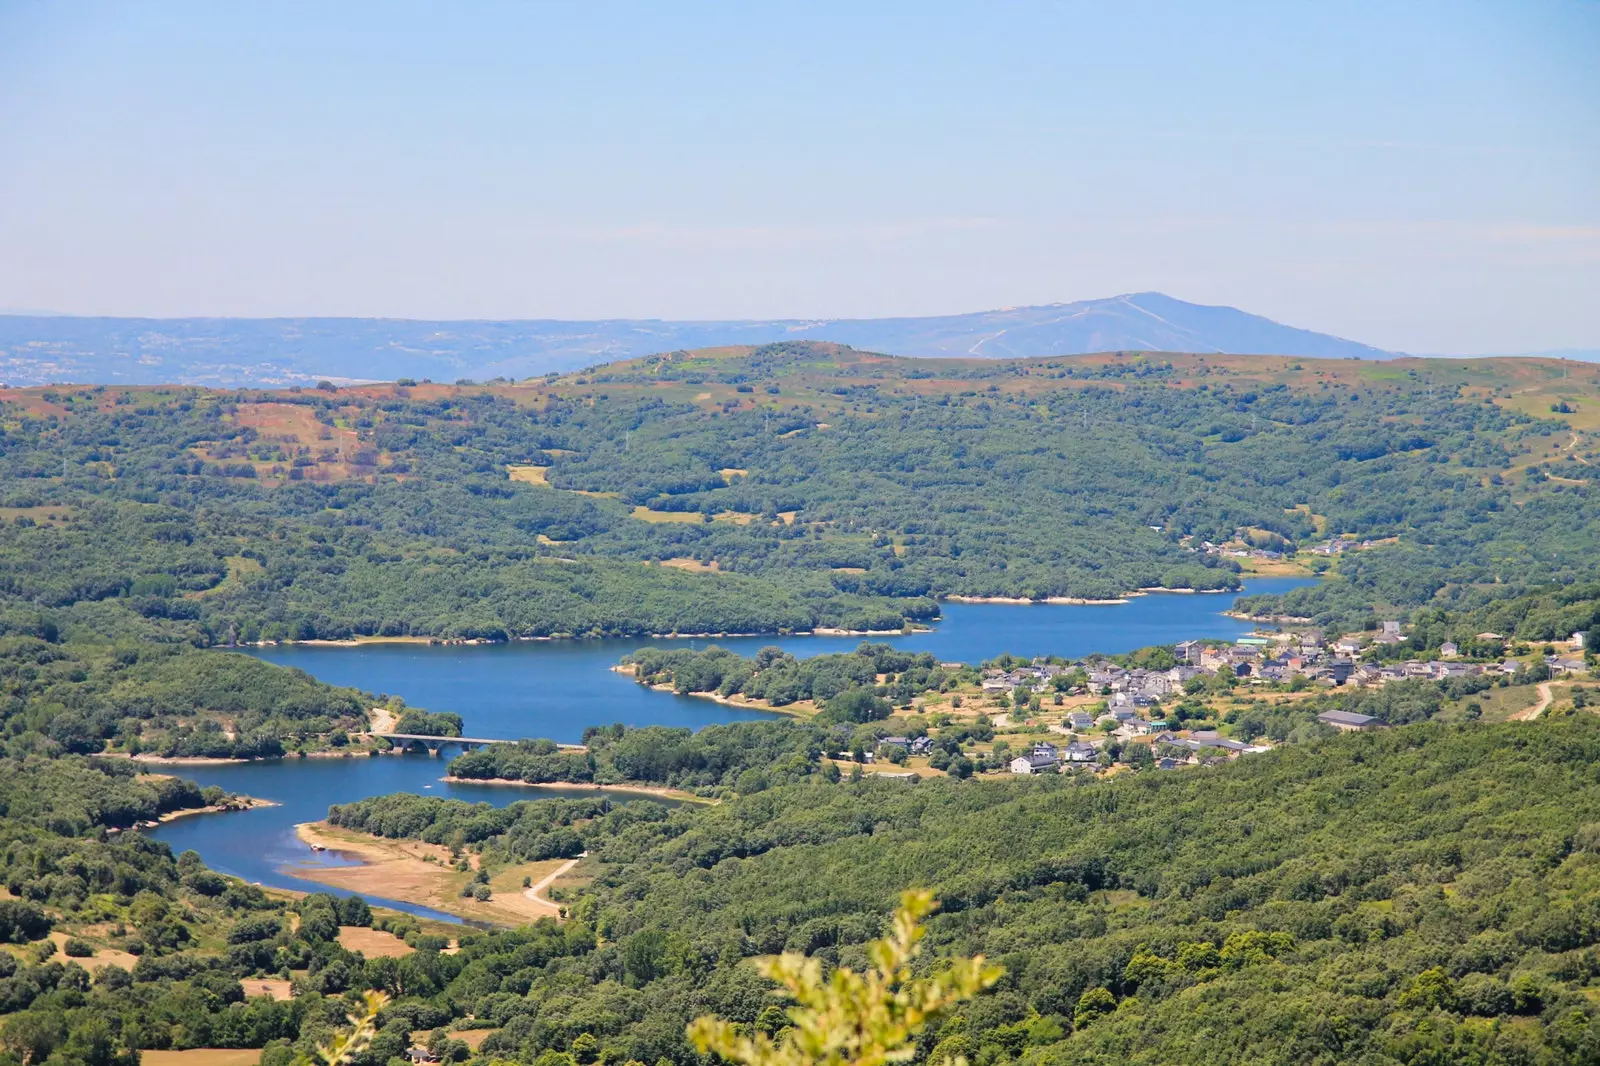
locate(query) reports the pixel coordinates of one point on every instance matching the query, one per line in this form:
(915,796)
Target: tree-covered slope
(785,487)
(1423,895)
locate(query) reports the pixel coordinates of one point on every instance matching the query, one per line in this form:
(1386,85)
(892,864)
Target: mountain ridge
(228,352)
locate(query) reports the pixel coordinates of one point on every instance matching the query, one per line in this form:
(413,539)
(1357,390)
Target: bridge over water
(434,744)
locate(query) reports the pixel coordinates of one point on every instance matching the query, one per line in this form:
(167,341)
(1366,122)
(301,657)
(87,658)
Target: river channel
(556,689)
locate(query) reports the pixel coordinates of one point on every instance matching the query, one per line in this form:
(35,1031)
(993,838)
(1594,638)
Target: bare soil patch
(102,956)
(400,869)
(206,1056)
(692,565)
(373,943)
(531,475)
(276,987)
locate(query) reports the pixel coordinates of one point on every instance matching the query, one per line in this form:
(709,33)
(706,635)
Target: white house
(1035,762)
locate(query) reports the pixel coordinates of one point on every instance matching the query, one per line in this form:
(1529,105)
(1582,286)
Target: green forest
(777,489)
(1424,895)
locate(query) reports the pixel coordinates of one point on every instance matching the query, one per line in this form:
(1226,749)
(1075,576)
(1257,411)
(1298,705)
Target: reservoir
(556,689)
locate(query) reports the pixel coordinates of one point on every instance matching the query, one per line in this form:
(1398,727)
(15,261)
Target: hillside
(786,487)
(37,350)
(1397,897)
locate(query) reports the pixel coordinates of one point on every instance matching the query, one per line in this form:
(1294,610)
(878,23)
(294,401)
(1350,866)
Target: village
(1101,715)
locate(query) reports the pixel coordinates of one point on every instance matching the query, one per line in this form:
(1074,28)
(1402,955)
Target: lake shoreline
(222,760)
(817,631)
(231,806)
(409,872)
(737,701)
(1079,601)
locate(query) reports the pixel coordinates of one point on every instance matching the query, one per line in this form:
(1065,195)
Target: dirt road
(546,881)
(1546,697)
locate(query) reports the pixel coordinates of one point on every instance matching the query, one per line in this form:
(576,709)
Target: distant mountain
(39,349)
(1145,321)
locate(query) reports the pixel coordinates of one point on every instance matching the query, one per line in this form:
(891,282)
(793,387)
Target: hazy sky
(1417,176)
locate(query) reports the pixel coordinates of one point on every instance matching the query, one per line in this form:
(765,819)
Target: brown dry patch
(694,565)
(1287,567)
(44,514)
(276,987)
(399,869)
(205,1056)
(531,475)
(473,1038)
(296,427)
(645,514)
(102,956)
(730,472)
(919,767)
(373,943)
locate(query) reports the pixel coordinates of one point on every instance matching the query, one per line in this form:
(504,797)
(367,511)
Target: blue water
(557,688)
(260,845)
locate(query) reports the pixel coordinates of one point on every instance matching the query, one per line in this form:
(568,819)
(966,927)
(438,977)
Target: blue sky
(1422,176)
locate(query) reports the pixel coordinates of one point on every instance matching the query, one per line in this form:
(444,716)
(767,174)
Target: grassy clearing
(208,1056)
(276,987)
(240,569)
(529,475)
(103,956)
(373,943)
(1498,704)
(473,1038)
(645,514)
(45,514)
(692,565)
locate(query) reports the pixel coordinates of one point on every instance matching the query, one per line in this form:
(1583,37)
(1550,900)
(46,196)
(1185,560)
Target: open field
(529,475)
(102,956)
(473,1038)
(202,1057)
(1501,704)
(275,987)
(645,514)
(44,514)
(373,943)
(692,565)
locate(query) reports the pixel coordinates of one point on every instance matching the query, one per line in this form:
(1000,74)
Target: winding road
(1546,697)
(549,879)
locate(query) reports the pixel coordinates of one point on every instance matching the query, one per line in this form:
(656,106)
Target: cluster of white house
(1133,695)
(1263,659)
